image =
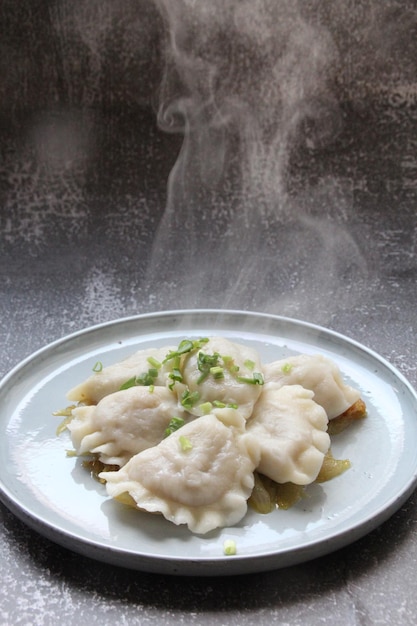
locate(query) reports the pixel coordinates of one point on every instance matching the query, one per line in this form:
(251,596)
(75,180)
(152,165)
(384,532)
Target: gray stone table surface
(263,157)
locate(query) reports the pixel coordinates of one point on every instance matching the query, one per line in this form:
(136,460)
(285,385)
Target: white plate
(53,494)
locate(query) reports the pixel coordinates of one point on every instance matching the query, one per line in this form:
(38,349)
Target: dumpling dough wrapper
(204,483)
(124,423)
(290,428)
(317,373)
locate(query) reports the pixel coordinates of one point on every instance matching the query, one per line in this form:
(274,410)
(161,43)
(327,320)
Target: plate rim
(211,565)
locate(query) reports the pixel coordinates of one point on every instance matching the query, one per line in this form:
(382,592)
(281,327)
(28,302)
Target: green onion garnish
(185,346)
(185,443)
(206,408)
(175,376)
(217,372)
(174,424)
(230,364)
(221,405)
(154,362)
(98,367)
(257,379)
(205,361)
(144,380)
(229,547)
(202,378)
(205,364)
(286,368)
(249,364)
(129,383)
(189,399)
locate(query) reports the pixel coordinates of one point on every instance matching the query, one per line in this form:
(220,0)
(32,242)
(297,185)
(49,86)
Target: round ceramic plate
(57,497)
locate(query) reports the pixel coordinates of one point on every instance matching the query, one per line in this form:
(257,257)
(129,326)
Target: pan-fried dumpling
(222,371)
(290,429)
(320,375)
(124,423)
(112,377)
(201,475)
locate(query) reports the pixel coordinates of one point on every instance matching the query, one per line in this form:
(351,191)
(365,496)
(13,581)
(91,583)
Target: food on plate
(320,375)
(224,372)
(355,412)
(199,431)
(201,475)
(106,380)
(123,423)
(290,429)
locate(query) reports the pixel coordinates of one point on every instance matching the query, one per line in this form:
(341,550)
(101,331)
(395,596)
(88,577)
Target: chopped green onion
(154,362)
(249,364)
(206,408)
(229,547)
(217,372)
(221,405)
(129,383)
(202,378)
(257,379)
(185,346)
(175,376)
(189,398)
(174,424)
(286,368)
(230,364)
(205,362)
(185,443)
(98,367)
(151,388)
(145,379)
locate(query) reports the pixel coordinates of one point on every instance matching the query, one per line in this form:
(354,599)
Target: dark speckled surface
(324,231)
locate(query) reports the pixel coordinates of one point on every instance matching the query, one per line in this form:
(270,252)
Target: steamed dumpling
(112,377)
(290,429)
(320,375)
(237,365)
(201,475)
(123,423)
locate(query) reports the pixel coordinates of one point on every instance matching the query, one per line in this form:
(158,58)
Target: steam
(252,86)
(244,82)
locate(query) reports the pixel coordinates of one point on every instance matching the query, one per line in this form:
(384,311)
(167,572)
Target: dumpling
(317,373)
(221,371)
(290,429)
(124,423)
(112,377)
(201,475)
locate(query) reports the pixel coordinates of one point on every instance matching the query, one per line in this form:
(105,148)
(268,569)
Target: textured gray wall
(99,52)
